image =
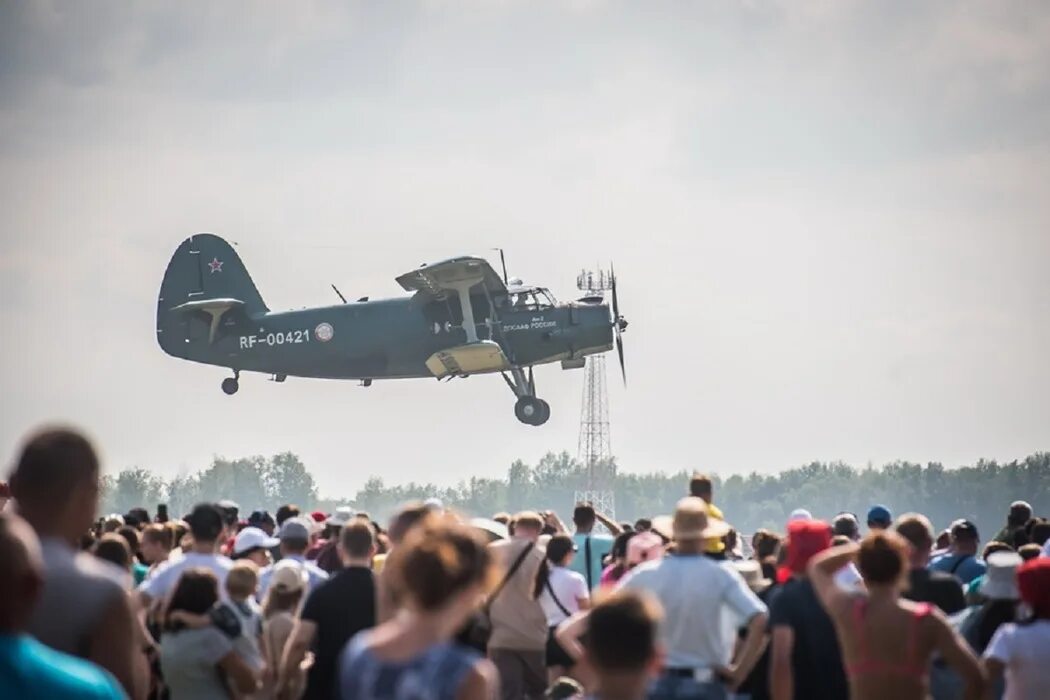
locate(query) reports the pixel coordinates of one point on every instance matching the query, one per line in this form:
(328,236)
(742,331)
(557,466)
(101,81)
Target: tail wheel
(230,386)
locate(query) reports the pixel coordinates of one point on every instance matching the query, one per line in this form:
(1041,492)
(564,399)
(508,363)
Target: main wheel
(545,413)
(532,411)
(230,386)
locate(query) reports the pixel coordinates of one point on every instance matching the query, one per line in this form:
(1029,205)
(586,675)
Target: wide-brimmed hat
(1000,578)
(751,571)
(692,521)
(288,576)
(643,547)
(341,516)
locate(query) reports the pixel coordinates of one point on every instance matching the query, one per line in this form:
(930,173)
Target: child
(283,601)
(241,583)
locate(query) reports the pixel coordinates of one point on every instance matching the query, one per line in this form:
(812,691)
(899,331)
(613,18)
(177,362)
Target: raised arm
(954,649)
(611,525)
(821,573)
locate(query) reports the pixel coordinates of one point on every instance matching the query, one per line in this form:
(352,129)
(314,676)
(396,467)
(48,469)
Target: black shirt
(341,607)
(937,587)
(756,685)
(815,659)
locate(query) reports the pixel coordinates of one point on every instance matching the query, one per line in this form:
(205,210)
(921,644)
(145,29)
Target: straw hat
(1000,580)
(691,521)
(288,576)
(751,570)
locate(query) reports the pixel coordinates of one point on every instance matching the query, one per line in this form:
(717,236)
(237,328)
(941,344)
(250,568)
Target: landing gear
(230,385)
(528,409)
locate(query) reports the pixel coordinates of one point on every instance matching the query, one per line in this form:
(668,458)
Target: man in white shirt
(699,596)
(295,540)
(207,528)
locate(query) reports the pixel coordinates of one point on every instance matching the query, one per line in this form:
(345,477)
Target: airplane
(461,319)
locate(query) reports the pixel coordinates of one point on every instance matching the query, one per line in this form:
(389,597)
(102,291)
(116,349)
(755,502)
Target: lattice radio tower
(595,449)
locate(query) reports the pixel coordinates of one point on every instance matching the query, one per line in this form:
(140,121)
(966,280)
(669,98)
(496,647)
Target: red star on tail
(215,265)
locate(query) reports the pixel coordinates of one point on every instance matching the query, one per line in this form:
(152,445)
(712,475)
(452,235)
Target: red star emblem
(215,265)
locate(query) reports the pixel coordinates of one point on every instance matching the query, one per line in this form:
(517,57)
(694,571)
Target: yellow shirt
(715,545)
(378,561)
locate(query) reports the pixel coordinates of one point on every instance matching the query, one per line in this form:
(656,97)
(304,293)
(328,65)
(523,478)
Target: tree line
(980,492)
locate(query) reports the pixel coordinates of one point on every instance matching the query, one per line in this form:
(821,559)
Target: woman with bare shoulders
(441,572)
(887,642)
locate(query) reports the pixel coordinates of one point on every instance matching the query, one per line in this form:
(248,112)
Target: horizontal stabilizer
(215,308)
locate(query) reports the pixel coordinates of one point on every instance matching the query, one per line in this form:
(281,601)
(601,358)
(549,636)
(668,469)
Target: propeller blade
(615,298)
(619,351)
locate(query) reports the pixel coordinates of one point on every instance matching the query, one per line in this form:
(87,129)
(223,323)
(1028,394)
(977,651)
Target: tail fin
(205,279)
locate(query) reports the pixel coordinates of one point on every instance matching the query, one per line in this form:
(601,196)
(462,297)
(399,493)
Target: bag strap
(557,602)
(510,574)
(959,563)
(587,558)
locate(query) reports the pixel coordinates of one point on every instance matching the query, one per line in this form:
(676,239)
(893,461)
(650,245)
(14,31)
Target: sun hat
(341,516)
(805,539)
(252,538)
(643,547)
(751,571)
(1000,579)
(288,576)
(691,521)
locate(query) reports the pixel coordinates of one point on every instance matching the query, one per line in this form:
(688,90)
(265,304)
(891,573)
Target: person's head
(883,559)
(1030,551)
(1000,577)
(294,536)
(528,525)
(1020,513)
(502,518)
(618,553)
(114,549)
(1040,532)
(964,537)
(440,565)
(846,524)
(196,591)
(944,539)
(242,580)
(622,642)
(560,550)
(206,525)
(156,543)
(287,585)
(918,531)
(21,574)
(993,547)
(879,518)
(764,544)
(357,543)
(1033,581)
(56,483)
(700,486)
(805,540)
(583,517)
(253,544)
(131,535)
(730,540)
(407,518)
(180,530)
(642,524)
(262,520)
(691,525)
(643,547)
(285,512)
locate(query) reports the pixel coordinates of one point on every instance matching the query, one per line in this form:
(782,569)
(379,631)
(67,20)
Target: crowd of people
(436,606)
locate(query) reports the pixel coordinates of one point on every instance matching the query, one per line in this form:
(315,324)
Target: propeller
(619,324)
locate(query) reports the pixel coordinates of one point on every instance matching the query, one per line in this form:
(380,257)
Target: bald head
(20,576)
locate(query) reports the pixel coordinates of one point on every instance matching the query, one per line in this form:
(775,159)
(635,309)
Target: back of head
(438,559)
(358,539)
(54,463)
(583,516)
(1040,532)
(528,523)
(114,549)
(806,539)
(196,592)
(159,534)
(286,511)
(206,522)
(21,574)
(964,532)
(883,558)
(621,632)
(242,580)
(917,529)
(131,536)
(765,543)
(1030,551)
(700,486)
(558,547)
(1020,513)
(846,524)
(407,517)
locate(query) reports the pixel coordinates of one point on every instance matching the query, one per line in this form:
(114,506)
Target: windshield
(532,300)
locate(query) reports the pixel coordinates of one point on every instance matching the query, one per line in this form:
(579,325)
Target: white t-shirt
(704,604)
(569,587)
(167,574)
(848,577)
(1025,651)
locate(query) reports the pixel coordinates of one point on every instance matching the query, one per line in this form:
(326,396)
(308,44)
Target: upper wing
(437,278)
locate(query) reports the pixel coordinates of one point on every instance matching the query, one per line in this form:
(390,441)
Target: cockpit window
(532,300)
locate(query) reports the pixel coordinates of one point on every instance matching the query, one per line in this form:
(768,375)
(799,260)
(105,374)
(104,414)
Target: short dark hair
(642,524)
(583,515)
(883,557)
(53,464)
(995,546)
(700,486)
(1040,532)
(964,530)
(114,549)
(621,632)
(1030,551)
(357,538)
(765,543)
(160,534)
(286,511)
(206,522)
(130,534)
(196,591)
(558,547)
(915,528)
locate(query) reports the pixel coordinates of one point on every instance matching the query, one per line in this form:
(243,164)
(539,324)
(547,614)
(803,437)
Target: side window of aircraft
(532,300)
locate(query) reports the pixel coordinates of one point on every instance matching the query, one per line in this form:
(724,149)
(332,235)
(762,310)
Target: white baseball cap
(800,514)
(252,538)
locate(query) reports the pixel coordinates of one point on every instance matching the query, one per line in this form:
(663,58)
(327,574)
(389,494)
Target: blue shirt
(600,545)
(30,671)
(965,567)
(316,574)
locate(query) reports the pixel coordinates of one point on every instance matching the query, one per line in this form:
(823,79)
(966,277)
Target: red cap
(318,516)
(1033,581)
(805,539)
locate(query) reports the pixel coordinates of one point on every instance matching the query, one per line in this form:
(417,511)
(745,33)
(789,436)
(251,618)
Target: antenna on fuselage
(503,262)
(336,290)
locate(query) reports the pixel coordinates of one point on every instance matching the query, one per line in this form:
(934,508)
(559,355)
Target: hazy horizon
(829,221)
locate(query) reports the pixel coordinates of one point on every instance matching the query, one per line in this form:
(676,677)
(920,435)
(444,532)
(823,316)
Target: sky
(829,219)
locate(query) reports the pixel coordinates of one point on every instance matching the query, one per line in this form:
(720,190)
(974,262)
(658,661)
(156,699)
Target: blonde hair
(243,579)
